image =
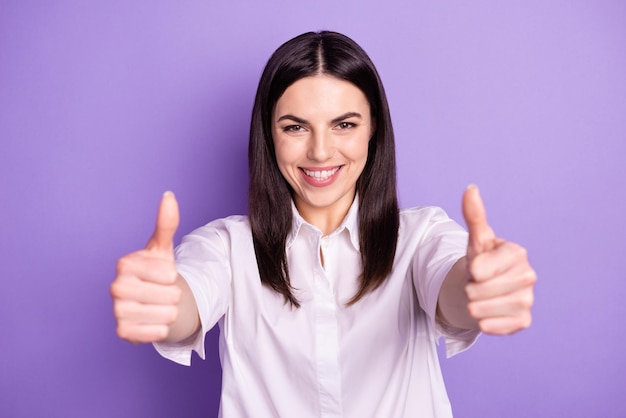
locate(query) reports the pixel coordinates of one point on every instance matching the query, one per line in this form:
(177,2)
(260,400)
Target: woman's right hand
(147,289)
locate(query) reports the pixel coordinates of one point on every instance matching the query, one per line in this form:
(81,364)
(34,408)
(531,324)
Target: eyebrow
(347,116)
(336,120)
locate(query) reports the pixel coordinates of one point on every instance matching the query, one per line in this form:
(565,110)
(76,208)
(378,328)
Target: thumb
(481,236)
(166,225)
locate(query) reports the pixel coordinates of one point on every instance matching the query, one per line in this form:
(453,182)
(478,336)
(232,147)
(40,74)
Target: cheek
(282,154)
(360,157)
(360,150)
(285,158)
(287,151)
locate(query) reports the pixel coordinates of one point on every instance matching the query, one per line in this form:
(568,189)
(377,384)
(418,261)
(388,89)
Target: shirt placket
(327,340)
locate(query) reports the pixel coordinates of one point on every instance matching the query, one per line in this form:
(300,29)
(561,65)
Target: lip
(317,183)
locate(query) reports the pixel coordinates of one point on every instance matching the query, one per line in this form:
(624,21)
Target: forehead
(321,96)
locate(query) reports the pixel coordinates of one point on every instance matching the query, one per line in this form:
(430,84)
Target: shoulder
(422,215)
(219,237)
(418,223)
(233,222)
(231,228)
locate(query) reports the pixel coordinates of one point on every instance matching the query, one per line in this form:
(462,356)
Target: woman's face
(321,127)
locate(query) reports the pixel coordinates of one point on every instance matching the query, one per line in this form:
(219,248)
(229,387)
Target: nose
(321,146)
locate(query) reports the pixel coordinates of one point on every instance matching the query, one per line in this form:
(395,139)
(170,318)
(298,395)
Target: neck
(326,219)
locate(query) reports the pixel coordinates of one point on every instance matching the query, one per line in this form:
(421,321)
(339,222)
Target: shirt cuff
(456,340)
(180,352)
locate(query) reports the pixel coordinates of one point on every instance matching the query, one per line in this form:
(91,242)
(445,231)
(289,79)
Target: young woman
(330,300)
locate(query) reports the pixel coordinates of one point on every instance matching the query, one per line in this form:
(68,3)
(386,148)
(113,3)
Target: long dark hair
(270,197)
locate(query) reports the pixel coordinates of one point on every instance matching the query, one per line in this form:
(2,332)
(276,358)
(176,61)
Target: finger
(139,313)
(502,258)
(133,289)
(505,325)
(141,333)
(481,236)
(514,304)
(148,266)
(505,284)
(166,225)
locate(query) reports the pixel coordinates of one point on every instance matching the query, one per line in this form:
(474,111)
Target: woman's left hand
(501,288)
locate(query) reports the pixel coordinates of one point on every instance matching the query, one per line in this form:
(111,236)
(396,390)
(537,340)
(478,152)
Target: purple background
(104,105)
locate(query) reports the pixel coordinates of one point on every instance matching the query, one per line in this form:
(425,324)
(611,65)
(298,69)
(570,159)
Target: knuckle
(527,322)
(474,268)
(474,310)
(177,294)
(529,300)
(124,310)
(525,301)
(521,304)
(529,278)
(522,322)
(119,310)
(520,252)
(117,290)
(173,315)
(172,275)
(123,332)
(162,333)
(123,264)
(485,326)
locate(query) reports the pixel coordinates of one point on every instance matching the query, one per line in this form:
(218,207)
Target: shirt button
(325,243)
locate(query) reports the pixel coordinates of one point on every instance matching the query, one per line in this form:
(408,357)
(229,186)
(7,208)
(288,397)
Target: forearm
(452,306)
(187,322)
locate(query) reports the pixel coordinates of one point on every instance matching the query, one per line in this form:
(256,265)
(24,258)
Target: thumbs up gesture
(500,291)
(146,290)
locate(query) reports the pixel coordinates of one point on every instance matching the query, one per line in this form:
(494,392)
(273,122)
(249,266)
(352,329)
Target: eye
(293,128)
(346,125)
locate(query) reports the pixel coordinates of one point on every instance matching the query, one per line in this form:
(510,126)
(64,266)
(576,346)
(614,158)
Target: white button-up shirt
(376,358)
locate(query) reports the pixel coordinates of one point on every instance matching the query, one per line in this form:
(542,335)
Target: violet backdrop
(106,104)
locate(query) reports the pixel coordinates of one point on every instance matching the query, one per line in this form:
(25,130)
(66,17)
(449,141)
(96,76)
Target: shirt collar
(350,222)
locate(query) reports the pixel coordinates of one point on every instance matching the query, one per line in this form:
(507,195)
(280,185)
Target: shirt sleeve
(202,259)
(442,244)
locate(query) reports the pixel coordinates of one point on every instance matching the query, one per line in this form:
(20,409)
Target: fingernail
(168,193)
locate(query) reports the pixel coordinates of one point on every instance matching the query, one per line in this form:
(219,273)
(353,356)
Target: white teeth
(321,175)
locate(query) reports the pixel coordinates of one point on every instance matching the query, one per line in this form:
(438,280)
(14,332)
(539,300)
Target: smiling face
(321,127)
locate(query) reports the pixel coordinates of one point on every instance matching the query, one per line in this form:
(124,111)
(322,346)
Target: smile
(321,175)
